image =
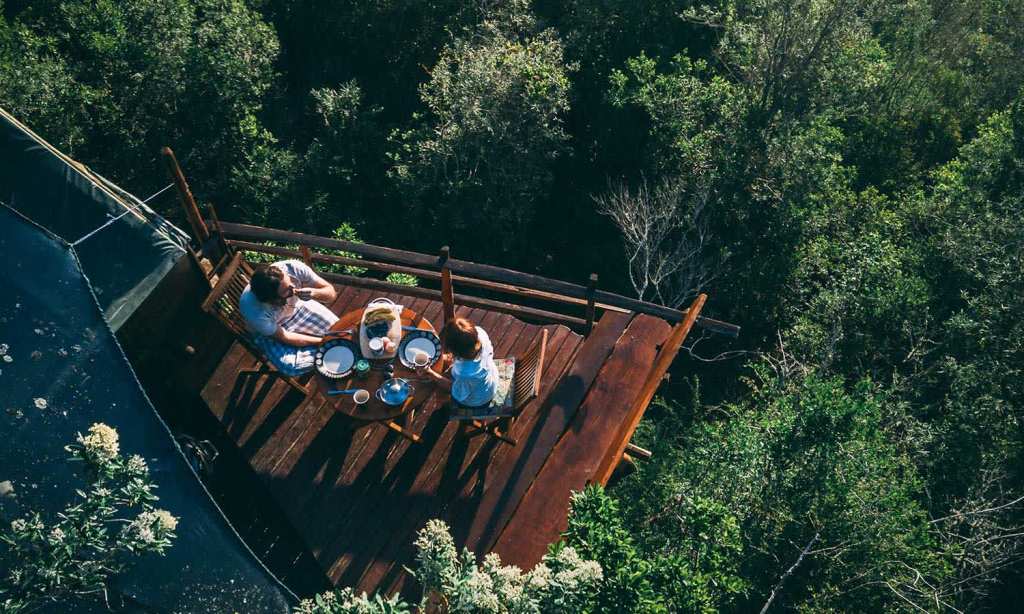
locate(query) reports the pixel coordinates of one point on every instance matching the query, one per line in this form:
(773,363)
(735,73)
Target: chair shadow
(569,387)
(247,394)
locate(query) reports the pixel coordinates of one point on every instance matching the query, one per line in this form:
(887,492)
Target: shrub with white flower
(71,557)
(561,582)
(452,582)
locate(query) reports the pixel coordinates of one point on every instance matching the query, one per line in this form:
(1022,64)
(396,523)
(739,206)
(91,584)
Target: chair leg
(394,426)
(493,429)
(266,367)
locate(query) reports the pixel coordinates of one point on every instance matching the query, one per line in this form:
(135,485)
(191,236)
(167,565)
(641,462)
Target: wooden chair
(222,303)
(525,387)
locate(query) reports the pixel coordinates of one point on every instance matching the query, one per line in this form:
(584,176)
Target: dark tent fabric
(61,351)
(125,248)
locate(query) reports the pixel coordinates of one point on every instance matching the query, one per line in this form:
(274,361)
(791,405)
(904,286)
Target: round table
(374,409)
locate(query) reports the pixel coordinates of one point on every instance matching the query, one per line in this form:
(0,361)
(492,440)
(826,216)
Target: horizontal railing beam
(474,273)
(528,313)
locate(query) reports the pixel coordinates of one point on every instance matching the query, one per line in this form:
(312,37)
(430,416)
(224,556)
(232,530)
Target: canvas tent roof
(125,248)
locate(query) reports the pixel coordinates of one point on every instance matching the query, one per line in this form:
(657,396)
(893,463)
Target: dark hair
(459,336)
(265,282)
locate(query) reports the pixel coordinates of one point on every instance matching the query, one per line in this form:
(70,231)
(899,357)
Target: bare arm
(321,291)
(288,337)
(441,380)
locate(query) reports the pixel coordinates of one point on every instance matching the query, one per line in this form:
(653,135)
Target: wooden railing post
(307,256)
(591,299)
(188,203)
(447,293)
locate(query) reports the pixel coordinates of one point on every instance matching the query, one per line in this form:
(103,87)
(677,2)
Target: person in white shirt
(282,308)
(474,376)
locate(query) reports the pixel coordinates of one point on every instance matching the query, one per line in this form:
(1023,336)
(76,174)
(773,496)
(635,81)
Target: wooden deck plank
(559,407)
(573,462)
(480,457)
(445,483)
(431,462)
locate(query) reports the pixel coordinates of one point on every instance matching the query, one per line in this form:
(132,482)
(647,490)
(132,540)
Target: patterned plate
(336,358)
(416,341)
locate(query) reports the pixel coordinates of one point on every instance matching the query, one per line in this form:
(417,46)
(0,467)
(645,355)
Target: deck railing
(537,298)
(492,281)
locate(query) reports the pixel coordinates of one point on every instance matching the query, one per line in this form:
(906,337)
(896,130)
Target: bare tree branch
(789,572)
(666,235)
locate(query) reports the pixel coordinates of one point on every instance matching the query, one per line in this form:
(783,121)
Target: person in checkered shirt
(283,307)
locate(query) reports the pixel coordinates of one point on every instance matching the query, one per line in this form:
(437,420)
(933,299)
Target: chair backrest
(529,368)
(222,302)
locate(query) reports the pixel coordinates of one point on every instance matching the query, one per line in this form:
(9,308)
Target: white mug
(376,345)
(360,396)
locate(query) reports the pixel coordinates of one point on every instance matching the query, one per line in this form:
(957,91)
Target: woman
(474,374)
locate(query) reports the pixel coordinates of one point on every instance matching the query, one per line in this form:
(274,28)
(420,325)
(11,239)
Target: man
(282,308)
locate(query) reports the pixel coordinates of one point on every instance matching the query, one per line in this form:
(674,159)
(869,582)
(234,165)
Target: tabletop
(375,409)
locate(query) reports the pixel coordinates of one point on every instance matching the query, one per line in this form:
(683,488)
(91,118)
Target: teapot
(395,391)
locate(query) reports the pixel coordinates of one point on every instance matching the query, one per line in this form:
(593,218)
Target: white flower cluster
(149,524)
(101,442)
(345,601)
(574,571)
(560,582)
(168,522)
(436,555)
(57,536)
(19,526)
(137,465)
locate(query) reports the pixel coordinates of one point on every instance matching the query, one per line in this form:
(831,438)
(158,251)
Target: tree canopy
(843,177)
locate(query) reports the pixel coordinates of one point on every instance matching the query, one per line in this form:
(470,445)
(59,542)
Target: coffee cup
(420,358)
(376,345)
(360,396)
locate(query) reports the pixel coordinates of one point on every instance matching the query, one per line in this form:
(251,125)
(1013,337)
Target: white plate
(420,344)
(338,359)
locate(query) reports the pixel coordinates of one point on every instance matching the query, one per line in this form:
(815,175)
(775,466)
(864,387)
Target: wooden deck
(357,494)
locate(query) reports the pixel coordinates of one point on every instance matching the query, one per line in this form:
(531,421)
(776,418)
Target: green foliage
(73,557)
(803,463)
(345,601)
(481,156)
(104,77)
(695,574)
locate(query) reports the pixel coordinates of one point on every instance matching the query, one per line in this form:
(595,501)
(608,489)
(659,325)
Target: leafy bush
(453,582)
(72,557)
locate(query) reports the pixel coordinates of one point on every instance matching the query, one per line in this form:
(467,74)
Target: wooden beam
(528,313)
(420,273)
(385,254)
(591,289)
(447,293)
(661,364)
(188,203)
(635,450)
